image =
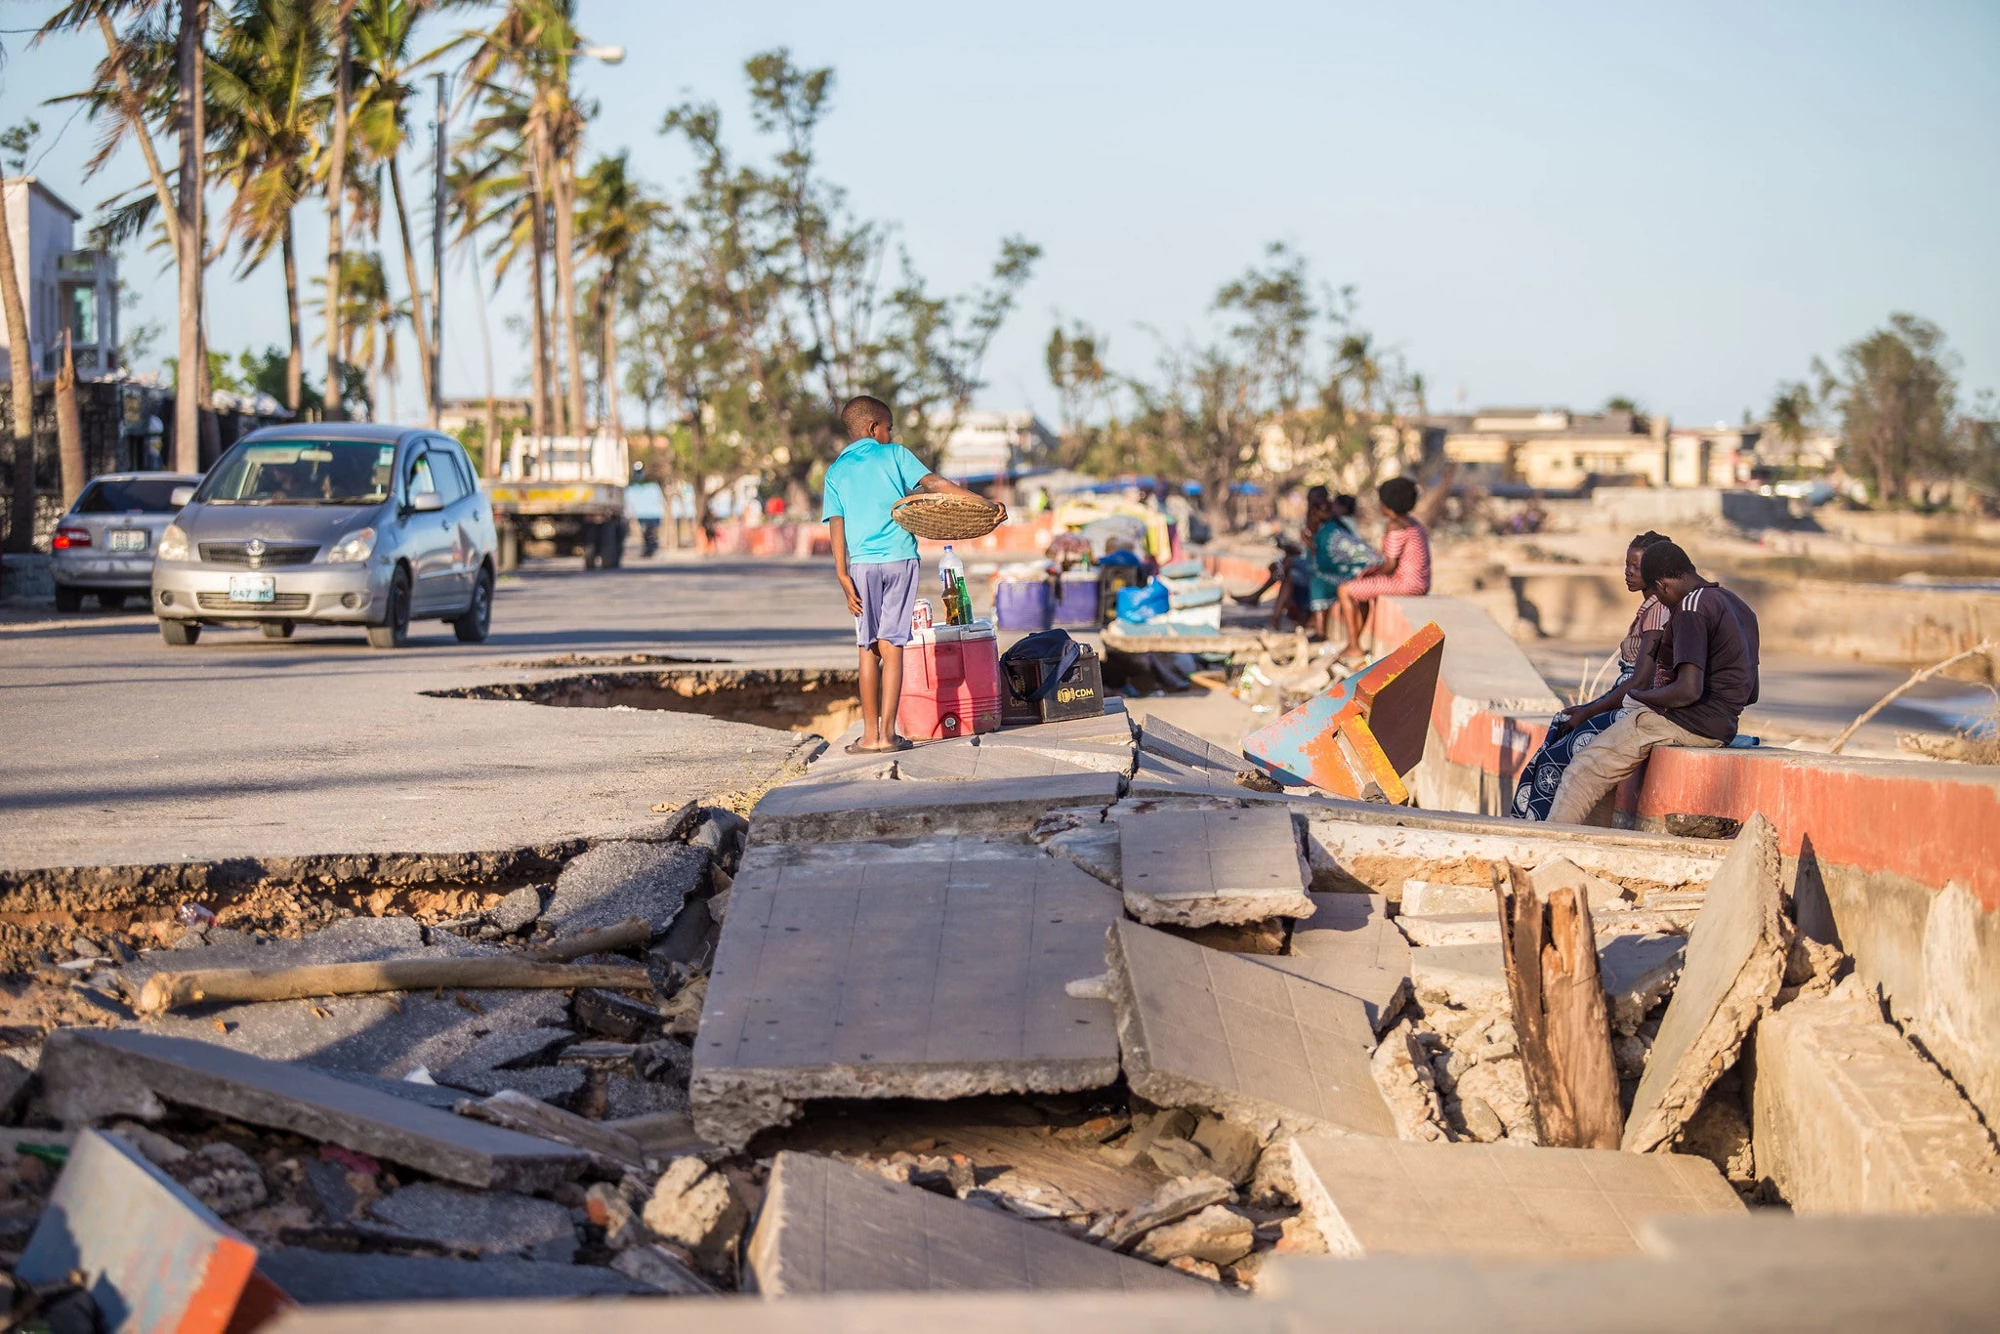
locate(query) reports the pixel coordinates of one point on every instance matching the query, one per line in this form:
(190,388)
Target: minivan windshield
(301,472)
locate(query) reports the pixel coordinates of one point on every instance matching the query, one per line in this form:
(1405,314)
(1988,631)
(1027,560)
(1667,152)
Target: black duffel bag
(1050,677)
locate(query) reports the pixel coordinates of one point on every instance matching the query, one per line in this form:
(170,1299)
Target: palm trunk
(566,290)
(295,362)
(135,120)
(416,288)
(21,519)
(540,409)
(336,185)
(69,429)
(490,458)
(187,114)
(612,420)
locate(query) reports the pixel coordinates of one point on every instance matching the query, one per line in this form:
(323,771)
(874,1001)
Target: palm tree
(190,37)
(494,182)
(21,523)
(616,218)
(265,85)
(532,46)
(1792,415)
(383,30)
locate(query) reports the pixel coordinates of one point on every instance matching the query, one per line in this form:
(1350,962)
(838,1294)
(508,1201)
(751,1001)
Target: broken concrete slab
(1369,1196)
(1350,944)
(1559,873)
(1451,928)
(91,1075)
(923,990)
(1851,1119)
(325,1278)
(1637,972)
(1218,1234)
(1428,898)
(1734,964)
(1202,868)
(1091,843)
(517,910)
(1357,846)
(489,1222)
(827,1227)
(874,808)
(960,860)
(1468,977)
(614,881)
(1026,754)
(1199,1028)
(697,1209)
(150,1254)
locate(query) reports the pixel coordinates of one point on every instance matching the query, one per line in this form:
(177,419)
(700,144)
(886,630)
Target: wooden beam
(1549,949)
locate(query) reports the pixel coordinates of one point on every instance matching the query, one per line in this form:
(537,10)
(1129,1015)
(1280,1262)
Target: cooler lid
(954,634)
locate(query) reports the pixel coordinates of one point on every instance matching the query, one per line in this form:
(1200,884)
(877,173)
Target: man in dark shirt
(1711,658)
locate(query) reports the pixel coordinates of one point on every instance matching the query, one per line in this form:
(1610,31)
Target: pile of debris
(1071,1006)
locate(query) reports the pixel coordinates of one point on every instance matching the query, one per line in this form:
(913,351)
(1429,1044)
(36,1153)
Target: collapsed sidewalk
(1078,1006)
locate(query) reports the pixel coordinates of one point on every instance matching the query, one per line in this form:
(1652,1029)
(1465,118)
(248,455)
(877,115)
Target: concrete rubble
(1079,1011)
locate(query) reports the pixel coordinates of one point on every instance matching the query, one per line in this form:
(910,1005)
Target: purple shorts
(888,596)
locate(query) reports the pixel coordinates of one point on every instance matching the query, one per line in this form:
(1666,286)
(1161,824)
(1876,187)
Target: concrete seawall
(1896,862)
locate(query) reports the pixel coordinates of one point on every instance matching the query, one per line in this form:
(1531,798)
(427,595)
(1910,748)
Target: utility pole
(437,260)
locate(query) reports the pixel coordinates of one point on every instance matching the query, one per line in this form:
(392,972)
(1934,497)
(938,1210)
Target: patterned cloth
(1544,773)
(1338,555)
(1411,546)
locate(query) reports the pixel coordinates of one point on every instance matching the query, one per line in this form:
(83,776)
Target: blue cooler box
(1076,605)
(1022,604)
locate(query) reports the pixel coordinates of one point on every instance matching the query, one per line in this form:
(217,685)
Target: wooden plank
(1549,951)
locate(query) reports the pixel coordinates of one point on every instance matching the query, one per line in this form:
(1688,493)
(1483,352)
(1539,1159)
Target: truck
(562,496)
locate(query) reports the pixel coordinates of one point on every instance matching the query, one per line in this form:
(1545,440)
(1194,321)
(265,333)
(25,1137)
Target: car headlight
(358,545)
(173,543)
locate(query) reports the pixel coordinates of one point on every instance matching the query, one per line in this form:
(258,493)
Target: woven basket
(946,518)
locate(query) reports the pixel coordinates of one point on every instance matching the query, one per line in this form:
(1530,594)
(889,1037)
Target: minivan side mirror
(180,496)
(426,502)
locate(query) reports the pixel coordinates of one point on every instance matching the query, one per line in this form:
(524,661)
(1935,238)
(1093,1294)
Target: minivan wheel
(394,632)
(277,629)
(180,633)
(471,628)
(68,599)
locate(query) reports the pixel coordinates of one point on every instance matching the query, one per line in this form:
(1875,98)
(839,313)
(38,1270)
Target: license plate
(253,587)
(128,539)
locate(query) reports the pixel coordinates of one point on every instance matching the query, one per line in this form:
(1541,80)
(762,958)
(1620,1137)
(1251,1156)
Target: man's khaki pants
(1617,752)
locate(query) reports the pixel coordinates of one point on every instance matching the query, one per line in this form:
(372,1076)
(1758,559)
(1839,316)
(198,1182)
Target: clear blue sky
(1536,203)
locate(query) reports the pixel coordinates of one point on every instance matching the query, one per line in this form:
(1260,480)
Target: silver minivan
(331,524)
(103,546)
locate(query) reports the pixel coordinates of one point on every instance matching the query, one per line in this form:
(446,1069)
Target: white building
(987,445)
(62,287)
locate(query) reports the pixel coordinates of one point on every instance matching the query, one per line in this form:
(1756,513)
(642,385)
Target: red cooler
(951,682)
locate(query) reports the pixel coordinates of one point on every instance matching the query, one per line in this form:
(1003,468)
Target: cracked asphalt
(120,750)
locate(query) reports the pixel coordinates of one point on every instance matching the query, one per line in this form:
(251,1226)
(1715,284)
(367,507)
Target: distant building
(984,446)
(456,414)
(62,287)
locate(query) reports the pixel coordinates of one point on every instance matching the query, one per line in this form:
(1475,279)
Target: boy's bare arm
(837,529)
(936,485)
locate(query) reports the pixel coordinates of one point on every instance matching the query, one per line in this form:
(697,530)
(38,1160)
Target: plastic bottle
(951,575)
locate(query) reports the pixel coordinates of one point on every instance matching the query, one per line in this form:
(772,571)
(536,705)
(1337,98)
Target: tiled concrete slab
(1636,971)
(928,986)
(1370,1196)
(1200,1028)
(1350,944)
(1173,761)
(152,1255)
(1201,868)
(91,1075)
(325,1278)
(962,860)
(1734,964)
(885,808)
(1451,928)
(827,1227)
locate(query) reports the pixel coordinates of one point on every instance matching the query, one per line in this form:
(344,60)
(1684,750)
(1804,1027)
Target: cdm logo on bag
(1067,694)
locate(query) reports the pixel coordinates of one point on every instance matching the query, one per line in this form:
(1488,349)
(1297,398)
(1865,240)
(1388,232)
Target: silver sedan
(104,546)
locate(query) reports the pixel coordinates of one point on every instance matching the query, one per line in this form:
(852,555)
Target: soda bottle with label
(951,576)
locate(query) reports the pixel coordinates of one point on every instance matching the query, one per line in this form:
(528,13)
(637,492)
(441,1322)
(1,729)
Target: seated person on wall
(1403,571)
(1292,570)
(1338,555)
(1636,658)
(1707,676)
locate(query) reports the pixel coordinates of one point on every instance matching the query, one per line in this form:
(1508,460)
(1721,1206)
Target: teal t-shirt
(861,486)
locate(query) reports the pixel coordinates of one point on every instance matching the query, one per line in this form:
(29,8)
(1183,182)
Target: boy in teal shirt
(875,558)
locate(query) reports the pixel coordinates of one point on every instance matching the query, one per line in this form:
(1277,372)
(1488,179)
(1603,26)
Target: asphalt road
(120,750)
